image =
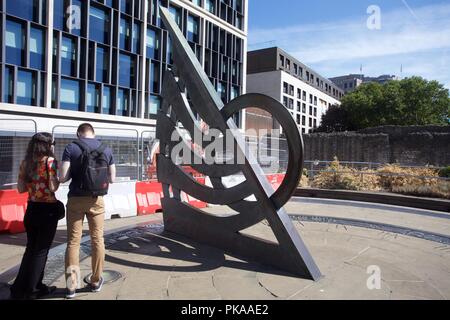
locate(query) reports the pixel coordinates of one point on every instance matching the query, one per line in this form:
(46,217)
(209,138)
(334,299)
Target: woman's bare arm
(53,182)
(21,185)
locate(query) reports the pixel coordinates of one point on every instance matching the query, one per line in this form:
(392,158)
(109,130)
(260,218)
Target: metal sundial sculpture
(290,253)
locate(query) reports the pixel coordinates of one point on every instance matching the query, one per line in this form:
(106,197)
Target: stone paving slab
(157,265)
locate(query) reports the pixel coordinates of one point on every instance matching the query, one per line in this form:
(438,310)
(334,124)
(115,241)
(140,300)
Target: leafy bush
(445,172)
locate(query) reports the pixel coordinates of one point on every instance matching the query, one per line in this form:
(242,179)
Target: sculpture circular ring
(294,139)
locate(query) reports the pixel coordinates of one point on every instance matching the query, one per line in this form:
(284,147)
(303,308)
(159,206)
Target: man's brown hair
(85,128)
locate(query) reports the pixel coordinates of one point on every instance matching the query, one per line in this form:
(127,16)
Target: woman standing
(38,177)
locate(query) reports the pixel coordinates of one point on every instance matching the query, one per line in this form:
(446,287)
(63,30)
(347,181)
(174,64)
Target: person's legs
(75,215)
(18,289)
(96,217)
(47,230)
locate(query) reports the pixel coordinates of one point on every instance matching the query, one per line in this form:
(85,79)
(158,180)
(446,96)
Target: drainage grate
(109,276)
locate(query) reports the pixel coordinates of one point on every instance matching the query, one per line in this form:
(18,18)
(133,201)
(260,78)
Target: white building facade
(306,94)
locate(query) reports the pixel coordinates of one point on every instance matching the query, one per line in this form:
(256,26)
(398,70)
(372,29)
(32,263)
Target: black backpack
(94,170)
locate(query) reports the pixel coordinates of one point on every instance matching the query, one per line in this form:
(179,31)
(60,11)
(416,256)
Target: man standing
(90,165)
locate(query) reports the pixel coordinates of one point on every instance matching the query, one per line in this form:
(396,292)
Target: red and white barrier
(12,210)
(125,199)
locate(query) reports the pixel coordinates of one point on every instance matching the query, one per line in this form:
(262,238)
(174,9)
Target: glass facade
(70,95)
(14,42)
(98,62)
(37,51)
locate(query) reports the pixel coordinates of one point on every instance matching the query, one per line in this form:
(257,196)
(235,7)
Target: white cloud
(421,42)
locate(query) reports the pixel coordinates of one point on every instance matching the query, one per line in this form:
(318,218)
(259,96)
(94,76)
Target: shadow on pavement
(175,247)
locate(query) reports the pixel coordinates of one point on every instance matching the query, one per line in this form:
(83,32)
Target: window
(303,121)
(14,42)
(282,60)
(70,95)
(122,102)
(106,100)
(234,92)
(36,48)
(299,107)
(315,112)
(154,77)
(125,6)
(298,119)
(210,6)
(285,101)
(304,96)
(288,64)
(291,90)
(8,85)
(26,9)
(126,71)
(136,38)
(102,63)
(304,107)
(153,106)
(310,110)
(310,122)
(192,29)
(58,14)
(315,100)
(295,69)
(68,54)
(98,25)
(26,88)
(291,104)
(124,34)
(152,44)
(92,98)
(176,15)
(299,93)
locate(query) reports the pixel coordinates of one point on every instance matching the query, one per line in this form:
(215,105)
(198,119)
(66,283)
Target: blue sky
(333,38)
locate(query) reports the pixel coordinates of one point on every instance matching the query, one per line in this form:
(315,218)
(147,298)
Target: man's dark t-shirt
(72,154)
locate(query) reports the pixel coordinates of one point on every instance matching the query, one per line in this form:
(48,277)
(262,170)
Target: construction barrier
(12,211)
(144,199)
(148,197)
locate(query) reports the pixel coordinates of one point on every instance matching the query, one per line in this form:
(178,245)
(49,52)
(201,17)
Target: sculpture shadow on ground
(181,254)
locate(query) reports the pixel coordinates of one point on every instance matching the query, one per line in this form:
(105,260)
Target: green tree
(411,101)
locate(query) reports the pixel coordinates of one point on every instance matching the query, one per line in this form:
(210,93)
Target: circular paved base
(166,266)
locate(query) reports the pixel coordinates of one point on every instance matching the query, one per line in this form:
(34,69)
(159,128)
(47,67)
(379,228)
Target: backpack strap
(83,146)
(102,148)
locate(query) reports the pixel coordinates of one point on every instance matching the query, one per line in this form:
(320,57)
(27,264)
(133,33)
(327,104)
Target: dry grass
(392,178)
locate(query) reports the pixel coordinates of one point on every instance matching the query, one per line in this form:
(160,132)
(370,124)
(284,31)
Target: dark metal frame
(290,253)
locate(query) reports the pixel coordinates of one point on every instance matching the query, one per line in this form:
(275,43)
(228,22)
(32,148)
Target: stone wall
(415,145)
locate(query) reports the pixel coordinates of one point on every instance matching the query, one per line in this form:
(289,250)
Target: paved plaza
(409,247)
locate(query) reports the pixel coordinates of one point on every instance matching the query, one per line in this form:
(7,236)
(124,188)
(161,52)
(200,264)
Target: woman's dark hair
(39,146)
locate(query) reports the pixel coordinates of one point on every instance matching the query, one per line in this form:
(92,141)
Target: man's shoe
(70,294)
(98,286)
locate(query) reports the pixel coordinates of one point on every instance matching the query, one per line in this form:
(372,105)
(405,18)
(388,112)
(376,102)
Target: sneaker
(70,294)
(98,287)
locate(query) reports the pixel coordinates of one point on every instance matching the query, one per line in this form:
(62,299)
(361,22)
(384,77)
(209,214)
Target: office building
(352,81)
(64,62)
(303,91)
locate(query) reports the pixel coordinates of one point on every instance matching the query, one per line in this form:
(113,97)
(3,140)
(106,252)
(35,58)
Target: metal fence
(124,144)
(134,153)
(14,137)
